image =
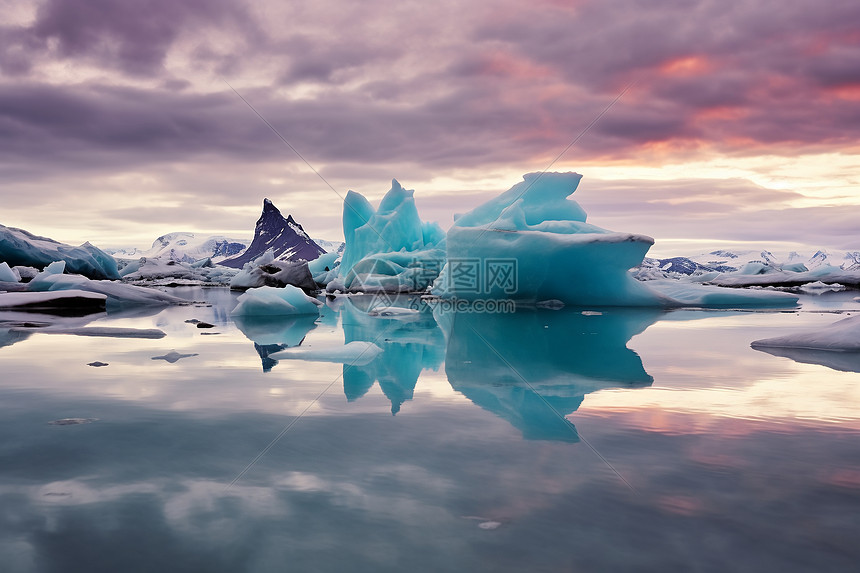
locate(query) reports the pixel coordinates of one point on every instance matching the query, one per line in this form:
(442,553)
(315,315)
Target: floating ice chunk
(394,312)
(268,301)
(358,353)
(99,331)
(173,356)
(691,294)
(552,304)
(73,421)
(827,274)
(7,274)
(118,294)
(819,287)
(843,335)
(65,299)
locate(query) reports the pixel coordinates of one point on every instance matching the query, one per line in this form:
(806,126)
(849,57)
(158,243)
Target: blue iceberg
(389,249)
(19,247)
(532,244)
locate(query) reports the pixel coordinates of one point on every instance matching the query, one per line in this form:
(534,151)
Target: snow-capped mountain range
(186,247)
(728,261)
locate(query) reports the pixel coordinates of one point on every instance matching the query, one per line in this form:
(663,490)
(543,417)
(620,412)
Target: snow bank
(18,247)
(843,335)
(268,301)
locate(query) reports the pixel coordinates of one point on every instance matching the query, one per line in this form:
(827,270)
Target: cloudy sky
(732,122)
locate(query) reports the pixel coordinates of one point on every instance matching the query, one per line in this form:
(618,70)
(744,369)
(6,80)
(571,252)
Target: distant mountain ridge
(283,235)
(726,261)
(187,247)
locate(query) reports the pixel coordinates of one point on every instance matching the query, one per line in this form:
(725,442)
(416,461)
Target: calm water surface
(616,440)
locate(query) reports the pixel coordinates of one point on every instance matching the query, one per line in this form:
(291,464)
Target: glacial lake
(545,440)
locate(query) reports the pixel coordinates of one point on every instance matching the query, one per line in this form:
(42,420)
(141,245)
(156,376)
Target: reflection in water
(843,361)
(275,333)
(408,347)
(17,325)
(531,368)
(534,367)
(144,487)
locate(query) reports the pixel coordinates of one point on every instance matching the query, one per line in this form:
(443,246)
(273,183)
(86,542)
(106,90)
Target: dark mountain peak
(286,237)
(269,207)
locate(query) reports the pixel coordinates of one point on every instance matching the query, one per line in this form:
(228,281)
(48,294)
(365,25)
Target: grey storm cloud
(91,88)
(131,36)
(462,113)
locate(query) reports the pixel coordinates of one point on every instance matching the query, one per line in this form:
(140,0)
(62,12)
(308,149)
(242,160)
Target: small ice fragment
(489,525)
(591,313)
(72,421)
(173,357)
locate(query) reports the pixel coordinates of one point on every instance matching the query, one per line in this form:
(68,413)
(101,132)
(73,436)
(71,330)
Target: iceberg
(19,247)
(533,244)
(389,249)
(272,301)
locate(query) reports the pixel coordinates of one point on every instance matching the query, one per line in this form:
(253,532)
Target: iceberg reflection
(534,367)
(833,359)
(275,333)
(409,345)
